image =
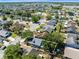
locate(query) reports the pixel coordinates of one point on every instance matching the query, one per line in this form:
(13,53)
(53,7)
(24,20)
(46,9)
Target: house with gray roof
(72,47)
(52,22)
(1,40)
(35,42)
(4,33)
(71,29)
(72,41)
(2,22)
(48,28)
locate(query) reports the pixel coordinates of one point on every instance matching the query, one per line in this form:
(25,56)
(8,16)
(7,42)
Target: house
(71,53)
(72,47)
(40,34)
(48,28)
(33,26)
(71,30)
(1,40)
(4,33)
(42,21)
(20,21)
(72,41)
(52,22)
(35,42)
(2,22)
(69,23)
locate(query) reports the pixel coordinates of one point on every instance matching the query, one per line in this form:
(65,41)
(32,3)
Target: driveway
(17,40)
(1,54)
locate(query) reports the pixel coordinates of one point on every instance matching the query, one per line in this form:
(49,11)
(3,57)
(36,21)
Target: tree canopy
(30,57)
(35,19)
(11,52)
(49,17)
(52,41)
(27,34)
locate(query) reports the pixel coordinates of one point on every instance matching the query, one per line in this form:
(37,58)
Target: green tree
(27,34)
(57,16)
(4,18)
(52,41)
(11,52)
(49,17)
(30,57)
(77,22)
(58,27)
(17,28)
(28,14)
(35,19)
(7,25)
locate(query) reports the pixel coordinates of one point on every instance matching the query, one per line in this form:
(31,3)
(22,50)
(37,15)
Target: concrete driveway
(1,54)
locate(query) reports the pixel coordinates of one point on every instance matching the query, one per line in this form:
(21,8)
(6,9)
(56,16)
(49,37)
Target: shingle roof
(48,28)
(36,41)
(71,29)
(52,22)
(71,41)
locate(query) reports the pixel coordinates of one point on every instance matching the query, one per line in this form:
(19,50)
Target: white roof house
(71,53)
(4,33)
(11,38)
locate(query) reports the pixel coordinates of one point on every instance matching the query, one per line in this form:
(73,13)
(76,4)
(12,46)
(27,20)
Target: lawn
(14,35)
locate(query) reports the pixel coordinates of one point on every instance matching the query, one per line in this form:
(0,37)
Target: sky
(39,0)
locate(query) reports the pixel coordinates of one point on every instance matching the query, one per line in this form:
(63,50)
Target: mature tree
(29,57)
(57,8)
(28,14)
(27,34)
(49,17)
(4,18)
(12,52)
(58,27)
(19,12)
(77,21)
(57,16)
(11,16)
(35,19)
(71,13)
(7,25)
(53,41)
(17,28)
